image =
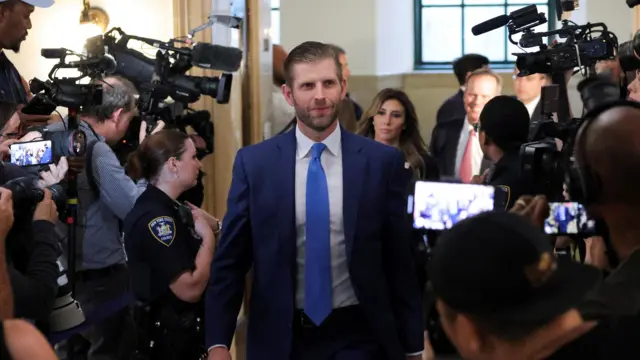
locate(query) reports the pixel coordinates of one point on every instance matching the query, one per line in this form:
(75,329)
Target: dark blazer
(259,230)
(452,108)
(444,146)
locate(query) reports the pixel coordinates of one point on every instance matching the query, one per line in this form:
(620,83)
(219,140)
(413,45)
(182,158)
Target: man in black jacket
(32,251)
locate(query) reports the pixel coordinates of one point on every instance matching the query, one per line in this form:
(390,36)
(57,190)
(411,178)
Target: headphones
(583,184)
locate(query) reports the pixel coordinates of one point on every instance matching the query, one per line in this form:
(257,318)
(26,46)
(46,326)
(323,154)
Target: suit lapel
(353,176)
(284,199)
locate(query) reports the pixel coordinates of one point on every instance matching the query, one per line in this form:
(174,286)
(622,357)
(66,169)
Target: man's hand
(6,213)
(32,120)
(55,174)
(596,252)
(4,147)
(219,353)
(534,208)
(479,179)
(143,129)
(46,209)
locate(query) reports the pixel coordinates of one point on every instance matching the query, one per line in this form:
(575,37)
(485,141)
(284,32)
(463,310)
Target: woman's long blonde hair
(411,142)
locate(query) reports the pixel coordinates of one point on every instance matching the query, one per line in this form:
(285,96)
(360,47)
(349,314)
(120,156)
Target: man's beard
(316,123)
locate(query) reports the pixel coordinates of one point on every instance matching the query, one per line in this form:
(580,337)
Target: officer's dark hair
(117,93)
(505,122)
(466,64)
(147,160)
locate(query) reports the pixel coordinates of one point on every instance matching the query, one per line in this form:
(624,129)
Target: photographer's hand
(46,209)
(6,213)
(55,174)
(4,146)
(143,129)
(534,208)
(6,222)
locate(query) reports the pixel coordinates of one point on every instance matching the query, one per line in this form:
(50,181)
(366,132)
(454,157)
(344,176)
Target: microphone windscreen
(491,24)
(53,53)
(216,57)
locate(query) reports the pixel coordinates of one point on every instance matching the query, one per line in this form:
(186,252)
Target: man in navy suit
(320,214)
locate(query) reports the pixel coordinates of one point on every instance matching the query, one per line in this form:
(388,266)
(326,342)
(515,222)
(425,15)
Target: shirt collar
(531,107)
(303,143)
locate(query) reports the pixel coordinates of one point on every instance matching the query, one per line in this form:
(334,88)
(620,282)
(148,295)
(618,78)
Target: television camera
(543,158)
(165,88)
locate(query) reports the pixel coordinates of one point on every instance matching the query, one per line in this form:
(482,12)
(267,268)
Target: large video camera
(70,93)
(542,159)
(165,88)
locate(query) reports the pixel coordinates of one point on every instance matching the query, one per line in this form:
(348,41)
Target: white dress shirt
(531,107)
(331,160)
(476,151)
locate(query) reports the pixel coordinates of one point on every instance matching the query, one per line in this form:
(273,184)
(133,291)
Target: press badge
(163,229)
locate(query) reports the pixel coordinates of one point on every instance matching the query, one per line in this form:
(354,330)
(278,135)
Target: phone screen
(31,153)
(568,218)
(439,206)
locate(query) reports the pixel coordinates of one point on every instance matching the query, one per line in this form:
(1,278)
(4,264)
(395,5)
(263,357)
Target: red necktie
(466,165)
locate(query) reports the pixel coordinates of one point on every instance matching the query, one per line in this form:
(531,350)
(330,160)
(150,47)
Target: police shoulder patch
(163,229)
(504,195)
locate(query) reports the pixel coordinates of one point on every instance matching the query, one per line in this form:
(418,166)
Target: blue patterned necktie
(317,270)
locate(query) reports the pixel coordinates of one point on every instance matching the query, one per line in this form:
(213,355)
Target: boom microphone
(216,57)
(490,25)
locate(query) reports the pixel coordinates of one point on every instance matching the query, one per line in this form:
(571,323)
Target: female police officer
(170,248)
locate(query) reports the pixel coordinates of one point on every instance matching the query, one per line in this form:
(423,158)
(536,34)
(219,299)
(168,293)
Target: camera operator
(33,249)
(14,25)
(503,128)
(106,194)
(605,181)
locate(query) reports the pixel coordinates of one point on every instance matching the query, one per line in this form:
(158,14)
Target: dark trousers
(114,338)
(344,335)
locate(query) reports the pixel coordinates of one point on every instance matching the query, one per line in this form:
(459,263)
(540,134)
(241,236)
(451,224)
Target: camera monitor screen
(439,206)
(568,218)
(31,153)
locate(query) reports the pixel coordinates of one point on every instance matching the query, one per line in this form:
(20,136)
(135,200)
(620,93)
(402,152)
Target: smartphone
(32,153)
(568,218)
(439,206)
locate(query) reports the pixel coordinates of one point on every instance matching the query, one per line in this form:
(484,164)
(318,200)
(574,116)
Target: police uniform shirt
(160,246)
(505,177)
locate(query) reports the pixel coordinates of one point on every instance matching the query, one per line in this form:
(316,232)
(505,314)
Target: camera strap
(88,166)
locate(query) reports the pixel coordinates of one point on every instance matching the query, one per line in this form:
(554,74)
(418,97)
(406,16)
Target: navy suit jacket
(452,108)
(259,230)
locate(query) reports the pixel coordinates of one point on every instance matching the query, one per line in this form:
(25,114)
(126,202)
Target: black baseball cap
(499,265)
(36,3)
(505,120)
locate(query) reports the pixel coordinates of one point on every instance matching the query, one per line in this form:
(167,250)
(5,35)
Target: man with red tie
(454,144)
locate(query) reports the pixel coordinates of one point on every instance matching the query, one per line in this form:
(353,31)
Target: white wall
(350,24)
(58,26)
(378,34)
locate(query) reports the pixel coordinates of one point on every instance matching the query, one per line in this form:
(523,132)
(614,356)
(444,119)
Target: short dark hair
(117,94)
(505,121)
(308,52)
(468,63)
(338,49)
(147,160)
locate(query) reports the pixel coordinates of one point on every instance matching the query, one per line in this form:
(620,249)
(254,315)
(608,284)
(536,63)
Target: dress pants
(343,335)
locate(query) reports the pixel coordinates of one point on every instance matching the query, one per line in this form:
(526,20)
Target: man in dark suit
(453,107)
(320,214)
(454,143)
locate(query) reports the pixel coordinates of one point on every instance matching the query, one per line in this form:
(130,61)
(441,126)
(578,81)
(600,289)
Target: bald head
(611,147)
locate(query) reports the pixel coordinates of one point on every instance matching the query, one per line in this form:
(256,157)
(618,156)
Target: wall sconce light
(94,15)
